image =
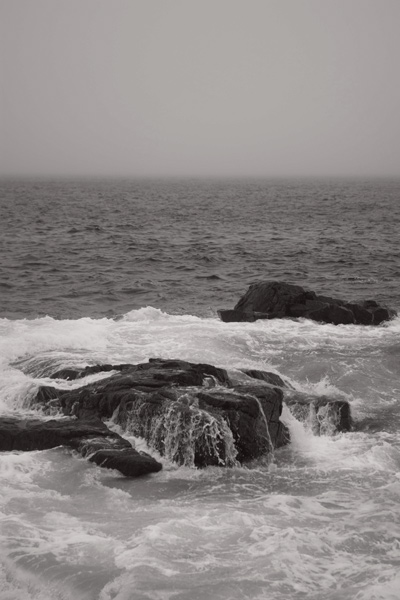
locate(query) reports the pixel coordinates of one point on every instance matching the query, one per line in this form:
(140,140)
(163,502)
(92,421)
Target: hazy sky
(200,87)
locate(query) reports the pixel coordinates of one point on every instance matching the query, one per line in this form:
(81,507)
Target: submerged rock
(274,299)
(92,438)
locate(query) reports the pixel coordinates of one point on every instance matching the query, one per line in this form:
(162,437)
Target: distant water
(104,248)
(121,271)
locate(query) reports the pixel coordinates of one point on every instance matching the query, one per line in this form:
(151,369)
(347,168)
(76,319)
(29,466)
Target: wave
(359,363)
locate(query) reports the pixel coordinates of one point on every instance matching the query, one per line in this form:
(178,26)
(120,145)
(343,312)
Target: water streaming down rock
(191,413)
(182,432)
(322,414)
(195,414)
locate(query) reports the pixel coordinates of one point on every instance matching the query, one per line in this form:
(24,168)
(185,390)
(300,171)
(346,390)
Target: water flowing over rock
(274,299)
(190,413)
(322,414)
(91,438)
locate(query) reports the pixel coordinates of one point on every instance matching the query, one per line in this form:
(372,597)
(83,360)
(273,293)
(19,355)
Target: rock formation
(190,413)
(274,299)
(91,438)
(322,414)
(193,414)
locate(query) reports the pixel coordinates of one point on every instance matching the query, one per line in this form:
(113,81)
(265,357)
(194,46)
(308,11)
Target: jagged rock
(236,316)
(274,299)
(323,415)
(188,412)
(271,378)
(128,461)
(72,374)
(207,426)
(91,438)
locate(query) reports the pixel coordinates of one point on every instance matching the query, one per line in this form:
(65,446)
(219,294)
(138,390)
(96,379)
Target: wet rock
(110,455)
(190,413)
(236,316)
(72,374)
(271,378)
(217,426)
(324,415)
(274,299)
(91,438)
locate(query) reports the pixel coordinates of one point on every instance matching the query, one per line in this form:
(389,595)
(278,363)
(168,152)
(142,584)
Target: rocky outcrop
(91,438)
(190,413)
(195,414)
(324,415)
(274,299)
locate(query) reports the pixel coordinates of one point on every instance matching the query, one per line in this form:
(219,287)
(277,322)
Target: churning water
(122,271)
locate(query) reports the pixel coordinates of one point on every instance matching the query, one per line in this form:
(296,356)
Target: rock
(235,316)
(362,316)
(91,438)
(324,415)
(382,314)
(72,374)
(203,427)
(271,378)
(331,313)
(274,299)
(190,413)
(127,461)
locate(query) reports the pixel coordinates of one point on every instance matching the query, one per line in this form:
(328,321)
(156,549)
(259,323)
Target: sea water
(123,271)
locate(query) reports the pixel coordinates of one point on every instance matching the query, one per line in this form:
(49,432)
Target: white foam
(322,515)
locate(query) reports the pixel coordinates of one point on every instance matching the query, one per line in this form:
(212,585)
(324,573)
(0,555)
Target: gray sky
(200,87)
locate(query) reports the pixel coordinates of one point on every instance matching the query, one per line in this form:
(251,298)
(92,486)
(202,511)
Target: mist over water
(113,272)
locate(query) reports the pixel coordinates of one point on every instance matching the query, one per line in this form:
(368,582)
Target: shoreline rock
(276,300)
(196,414)
(190,413)
(91,438)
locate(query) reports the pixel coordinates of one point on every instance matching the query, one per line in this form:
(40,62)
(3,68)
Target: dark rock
(37,434)
(324,415)
(332,313)
(271,378)
(190,413)
(236,316)
(362,316)
(203,426)
(126,460)
(274,299)
(329,300)
(369,304)
(382,314)
(91,438)
(103,397)
(72,374)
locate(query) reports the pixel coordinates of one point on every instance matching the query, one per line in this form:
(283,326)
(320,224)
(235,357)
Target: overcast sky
(200,87)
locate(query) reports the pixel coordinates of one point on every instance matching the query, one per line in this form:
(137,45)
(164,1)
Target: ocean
(115,271)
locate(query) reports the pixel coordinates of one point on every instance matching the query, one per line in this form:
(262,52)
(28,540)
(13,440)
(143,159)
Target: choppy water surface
(104,248)
(322,520)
